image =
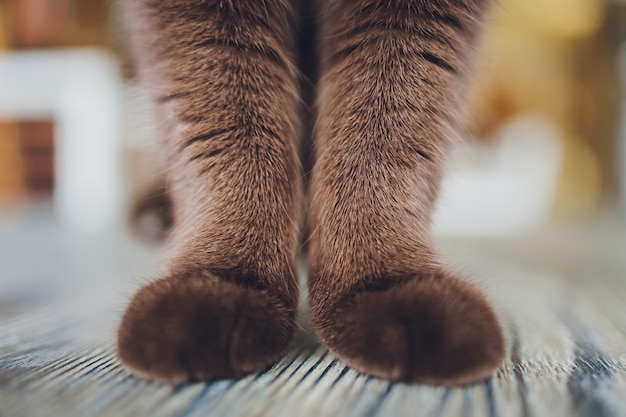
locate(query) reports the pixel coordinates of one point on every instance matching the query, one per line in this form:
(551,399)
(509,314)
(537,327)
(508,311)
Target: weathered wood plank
(564,306)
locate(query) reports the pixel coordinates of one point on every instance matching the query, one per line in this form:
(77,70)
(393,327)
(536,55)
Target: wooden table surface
(562,294)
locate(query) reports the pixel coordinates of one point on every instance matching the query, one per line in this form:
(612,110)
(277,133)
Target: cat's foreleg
(222,77)
(381,299)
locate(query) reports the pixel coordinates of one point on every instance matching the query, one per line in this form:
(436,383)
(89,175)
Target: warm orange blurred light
(39,20)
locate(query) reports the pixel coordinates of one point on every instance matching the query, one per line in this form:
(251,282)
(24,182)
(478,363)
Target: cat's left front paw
(434,329)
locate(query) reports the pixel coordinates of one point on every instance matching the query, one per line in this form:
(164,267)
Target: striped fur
(228,92)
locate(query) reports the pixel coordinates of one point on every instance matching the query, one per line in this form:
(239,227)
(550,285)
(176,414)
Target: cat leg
(222,76)
(380,297)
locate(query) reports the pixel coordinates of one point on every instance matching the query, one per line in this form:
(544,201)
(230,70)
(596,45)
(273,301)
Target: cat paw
(434,329)
(152,216)
(199,327)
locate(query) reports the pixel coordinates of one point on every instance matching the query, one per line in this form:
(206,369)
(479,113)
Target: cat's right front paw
(198,327)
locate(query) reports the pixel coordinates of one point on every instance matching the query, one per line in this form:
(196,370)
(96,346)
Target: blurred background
(545,131)
(532,209)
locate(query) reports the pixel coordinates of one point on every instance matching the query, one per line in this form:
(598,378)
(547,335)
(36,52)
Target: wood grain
(562,294)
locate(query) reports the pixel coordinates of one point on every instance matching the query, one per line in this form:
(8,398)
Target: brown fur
(380,299)
(222,75)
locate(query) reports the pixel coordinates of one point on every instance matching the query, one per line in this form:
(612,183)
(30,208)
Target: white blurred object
(504,190)
(80,91)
